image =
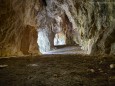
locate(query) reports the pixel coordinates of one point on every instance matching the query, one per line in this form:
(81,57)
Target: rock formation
(89,23)
(18,34)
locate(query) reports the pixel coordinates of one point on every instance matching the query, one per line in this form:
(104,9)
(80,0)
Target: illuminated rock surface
(66,50)
(91,24)
(18,34)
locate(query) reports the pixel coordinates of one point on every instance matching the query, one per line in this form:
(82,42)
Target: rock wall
(18,34)
(91,22)
(45,31)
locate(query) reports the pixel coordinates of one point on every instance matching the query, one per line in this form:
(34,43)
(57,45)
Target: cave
(57,43)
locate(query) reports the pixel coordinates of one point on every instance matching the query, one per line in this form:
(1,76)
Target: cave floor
(67,50)
(57,70)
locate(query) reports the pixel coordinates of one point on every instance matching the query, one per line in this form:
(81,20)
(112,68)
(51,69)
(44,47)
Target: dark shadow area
(109,40)
(57,70)
(63,46)
(44,2)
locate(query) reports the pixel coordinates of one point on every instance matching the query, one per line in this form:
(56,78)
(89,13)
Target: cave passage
(60,39)
(60,45)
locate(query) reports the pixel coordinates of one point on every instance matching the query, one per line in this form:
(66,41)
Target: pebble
(92,70)
(112,66)
(3,66)
(55,75)
(34,65)
(100,70)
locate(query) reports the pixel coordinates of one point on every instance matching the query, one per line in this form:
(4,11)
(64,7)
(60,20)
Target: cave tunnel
(57,43)
(59,39)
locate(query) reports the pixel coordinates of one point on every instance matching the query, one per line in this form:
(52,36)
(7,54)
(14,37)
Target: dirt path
(57,70)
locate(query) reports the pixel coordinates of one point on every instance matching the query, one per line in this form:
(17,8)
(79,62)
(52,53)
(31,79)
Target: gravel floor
(57,70)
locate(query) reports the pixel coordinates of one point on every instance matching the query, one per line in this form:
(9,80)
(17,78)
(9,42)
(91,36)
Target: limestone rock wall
(53,20)
(18,34)
(45,31)
(95,24)
(91,23)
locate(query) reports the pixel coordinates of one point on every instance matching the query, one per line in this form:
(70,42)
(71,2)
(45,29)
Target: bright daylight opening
(60,39)
(43,41)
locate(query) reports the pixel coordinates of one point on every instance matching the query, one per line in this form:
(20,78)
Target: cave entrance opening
(56,44)
(60,39)
(57,37)
(49,42)
(43,41)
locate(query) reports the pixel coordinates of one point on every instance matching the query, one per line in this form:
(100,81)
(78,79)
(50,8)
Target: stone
(100,70)
(112,66)
(92,70)
(33,65)
(3,66)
